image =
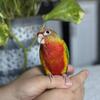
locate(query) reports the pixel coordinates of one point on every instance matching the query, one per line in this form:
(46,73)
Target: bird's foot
(50,77)
(65,76)
(67,79)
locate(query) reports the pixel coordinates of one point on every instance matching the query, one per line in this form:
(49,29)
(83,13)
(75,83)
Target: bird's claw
(50,77)
(67,79)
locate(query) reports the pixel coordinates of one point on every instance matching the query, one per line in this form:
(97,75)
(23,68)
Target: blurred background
(83,39)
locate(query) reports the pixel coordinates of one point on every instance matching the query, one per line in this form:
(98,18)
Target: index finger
(33,72)
(70,70)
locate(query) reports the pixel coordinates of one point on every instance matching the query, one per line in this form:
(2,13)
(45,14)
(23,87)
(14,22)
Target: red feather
(53,56)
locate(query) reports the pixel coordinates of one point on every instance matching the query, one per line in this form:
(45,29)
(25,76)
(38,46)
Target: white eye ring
(47,32)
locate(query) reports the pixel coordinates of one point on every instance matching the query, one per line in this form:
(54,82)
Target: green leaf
(66,10)
(4,34)
(1,16)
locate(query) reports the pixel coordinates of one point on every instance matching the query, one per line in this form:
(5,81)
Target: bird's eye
(47,32)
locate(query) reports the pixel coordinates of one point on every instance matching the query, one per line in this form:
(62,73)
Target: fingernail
(87,72)
(69,83)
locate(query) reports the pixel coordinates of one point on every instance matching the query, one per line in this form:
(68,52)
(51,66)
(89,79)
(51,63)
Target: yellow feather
(47,72)
(66,59)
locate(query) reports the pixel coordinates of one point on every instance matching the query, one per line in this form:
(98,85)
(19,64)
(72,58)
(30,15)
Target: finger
(70,69)
(36,71)
(79,79)
(32,72)
(45,82)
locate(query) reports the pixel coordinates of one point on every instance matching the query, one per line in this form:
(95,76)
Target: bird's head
(45,34)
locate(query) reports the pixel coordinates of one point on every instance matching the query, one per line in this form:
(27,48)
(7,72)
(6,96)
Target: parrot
(54,54)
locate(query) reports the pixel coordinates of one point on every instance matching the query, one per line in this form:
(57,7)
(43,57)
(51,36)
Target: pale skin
(33,85)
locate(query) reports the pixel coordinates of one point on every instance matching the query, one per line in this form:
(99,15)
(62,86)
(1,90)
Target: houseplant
(66,10)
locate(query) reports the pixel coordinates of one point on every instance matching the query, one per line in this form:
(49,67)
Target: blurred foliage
(20,8)
(66,10)
(4,33)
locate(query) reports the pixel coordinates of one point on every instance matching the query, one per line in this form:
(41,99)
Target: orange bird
(54,53)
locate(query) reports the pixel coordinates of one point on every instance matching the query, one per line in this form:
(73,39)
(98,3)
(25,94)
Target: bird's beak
(40,38)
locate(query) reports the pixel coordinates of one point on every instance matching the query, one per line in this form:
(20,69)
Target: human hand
(75,92)
(31,84)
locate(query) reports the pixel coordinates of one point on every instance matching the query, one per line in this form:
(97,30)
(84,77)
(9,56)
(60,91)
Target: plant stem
(6,10)
(25,59)
(24,49)
(17,8)
(33,42)
(11,35)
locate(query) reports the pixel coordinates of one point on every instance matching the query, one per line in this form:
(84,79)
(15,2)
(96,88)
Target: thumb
(79,79)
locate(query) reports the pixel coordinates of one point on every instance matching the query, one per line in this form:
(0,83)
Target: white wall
(84,36)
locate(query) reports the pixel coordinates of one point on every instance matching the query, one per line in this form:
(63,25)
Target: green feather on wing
(67,51)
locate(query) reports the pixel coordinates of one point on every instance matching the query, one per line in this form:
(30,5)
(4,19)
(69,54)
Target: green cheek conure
(54,53)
